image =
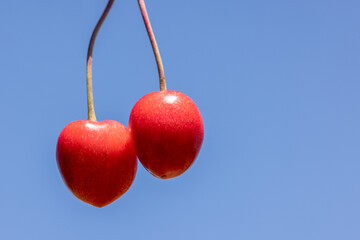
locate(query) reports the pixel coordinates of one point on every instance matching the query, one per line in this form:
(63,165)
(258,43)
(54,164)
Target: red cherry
(97,160)
(168,131)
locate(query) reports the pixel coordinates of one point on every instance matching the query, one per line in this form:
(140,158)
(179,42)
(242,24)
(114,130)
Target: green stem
(90,98)
(154,45)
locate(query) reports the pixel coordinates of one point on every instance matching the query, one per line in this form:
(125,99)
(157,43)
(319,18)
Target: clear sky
(277,83)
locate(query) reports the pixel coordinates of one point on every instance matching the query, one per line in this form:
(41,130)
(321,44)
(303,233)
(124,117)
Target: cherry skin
(168,132)
(97,160)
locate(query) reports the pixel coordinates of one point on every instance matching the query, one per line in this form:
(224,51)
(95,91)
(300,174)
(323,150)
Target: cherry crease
(168,131)
(97,160)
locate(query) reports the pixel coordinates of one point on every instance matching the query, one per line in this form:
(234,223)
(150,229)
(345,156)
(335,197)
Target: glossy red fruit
(97,160)
(168,131)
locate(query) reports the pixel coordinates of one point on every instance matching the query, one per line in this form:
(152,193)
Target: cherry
(166,126)
(168,131)
(97,160)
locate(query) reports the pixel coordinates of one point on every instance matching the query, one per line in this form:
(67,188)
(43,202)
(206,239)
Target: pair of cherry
(97,160)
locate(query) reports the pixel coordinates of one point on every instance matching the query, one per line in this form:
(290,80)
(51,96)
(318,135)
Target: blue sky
(277,83)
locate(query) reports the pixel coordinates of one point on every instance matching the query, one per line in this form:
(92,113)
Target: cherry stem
(154,45)
(90,98)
